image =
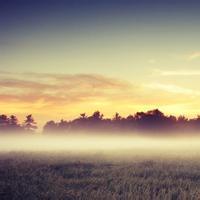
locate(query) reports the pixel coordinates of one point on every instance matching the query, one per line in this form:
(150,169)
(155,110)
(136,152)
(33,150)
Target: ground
(31,177)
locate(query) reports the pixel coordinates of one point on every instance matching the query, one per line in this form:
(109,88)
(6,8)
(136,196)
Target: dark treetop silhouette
(150,121)
(12,125)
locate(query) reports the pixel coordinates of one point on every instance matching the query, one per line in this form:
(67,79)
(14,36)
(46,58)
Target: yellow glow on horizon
(57,112)
(65,96)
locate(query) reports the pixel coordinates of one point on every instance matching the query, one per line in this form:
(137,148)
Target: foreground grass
(28,178)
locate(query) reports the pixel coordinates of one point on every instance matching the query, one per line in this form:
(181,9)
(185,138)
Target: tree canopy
(151,121)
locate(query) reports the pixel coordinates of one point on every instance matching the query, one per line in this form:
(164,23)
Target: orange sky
(55,96)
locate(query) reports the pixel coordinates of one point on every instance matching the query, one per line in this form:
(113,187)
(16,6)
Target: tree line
(11,124)
(150,121)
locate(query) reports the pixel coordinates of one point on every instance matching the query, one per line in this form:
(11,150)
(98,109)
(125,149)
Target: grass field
(33,177)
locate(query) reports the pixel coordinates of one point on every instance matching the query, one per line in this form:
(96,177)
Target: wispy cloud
(177,72)
(58,87)
(55,95)
(174,89)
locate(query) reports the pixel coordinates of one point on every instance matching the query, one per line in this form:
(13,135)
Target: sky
(62,58)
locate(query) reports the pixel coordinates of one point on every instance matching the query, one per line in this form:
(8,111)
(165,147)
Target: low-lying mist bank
(99,167)
(114,147)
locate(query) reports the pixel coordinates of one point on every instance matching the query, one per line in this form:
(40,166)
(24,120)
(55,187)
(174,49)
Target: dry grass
(25,177)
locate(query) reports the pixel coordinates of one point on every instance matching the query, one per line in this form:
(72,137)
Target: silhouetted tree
(182,119)
(83,116)
(96,116)
(50,126)
(4,122)
(195,123)
(150,121)
(63,125)
(30,124)
(14,124)
(157,113)
(117,117)
(13,121)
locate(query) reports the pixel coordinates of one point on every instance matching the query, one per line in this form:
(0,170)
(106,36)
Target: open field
(35,176)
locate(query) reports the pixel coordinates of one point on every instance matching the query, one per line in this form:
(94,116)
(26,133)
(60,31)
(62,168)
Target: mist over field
(106,144)
(100,167)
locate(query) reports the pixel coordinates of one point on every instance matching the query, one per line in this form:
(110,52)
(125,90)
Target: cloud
(49,96)
(47,80)
(62,88)
(174,89)
(177,72)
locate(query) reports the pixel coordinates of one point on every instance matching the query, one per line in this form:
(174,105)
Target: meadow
(36,176)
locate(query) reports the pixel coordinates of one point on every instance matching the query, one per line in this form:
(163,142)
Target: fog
(116,145)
